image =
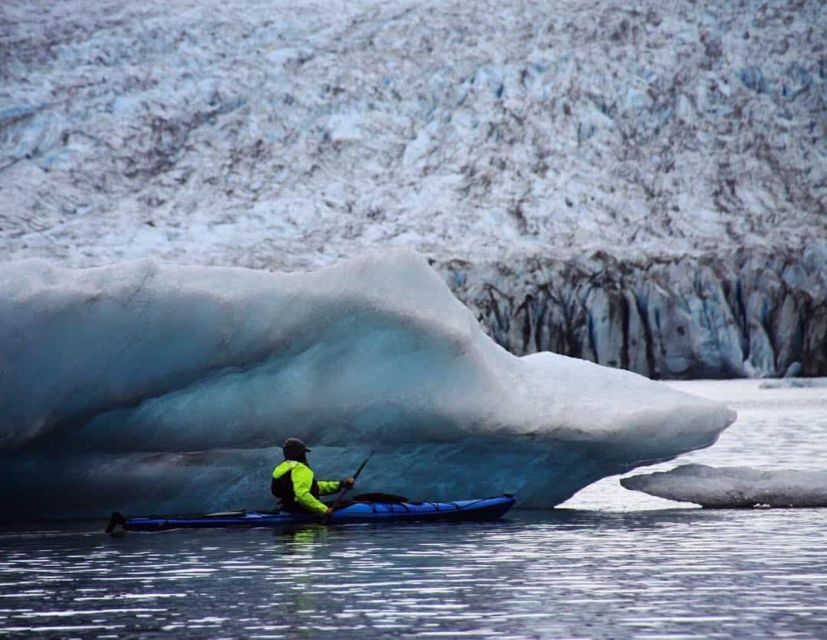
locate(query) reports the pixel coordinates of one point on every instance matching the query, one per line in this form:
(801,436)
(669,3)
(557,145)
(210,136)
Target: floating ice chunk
(794,383)
(148,387)
(734,486)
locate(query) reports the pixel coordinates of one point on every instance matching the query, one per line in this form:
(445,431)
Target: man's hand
(328,512)
(347,483)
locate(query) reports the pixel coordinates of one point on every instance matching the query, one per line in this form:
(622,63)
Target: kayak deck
(359,512)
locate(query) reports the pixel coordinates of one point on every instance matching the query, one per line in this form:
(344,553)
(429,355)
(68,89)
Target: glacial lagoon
(609,563)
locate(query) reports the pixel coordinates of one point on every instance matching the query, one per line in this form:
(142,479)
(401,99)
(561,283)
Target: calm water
(614,564)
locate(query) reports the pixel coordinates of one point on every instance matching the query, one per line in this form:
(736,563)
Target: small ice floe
(720,487)
(794,383)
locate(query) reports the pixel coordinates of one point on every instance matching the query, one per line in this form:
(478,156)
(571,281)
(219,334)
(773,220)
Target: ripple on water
(676,573)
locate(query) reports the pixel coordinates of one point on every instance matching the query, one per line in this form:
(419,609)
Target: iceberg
(149,387)
(720,487)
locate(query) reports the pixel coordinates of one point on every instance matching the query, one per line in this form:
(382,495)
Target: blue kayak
(459,510)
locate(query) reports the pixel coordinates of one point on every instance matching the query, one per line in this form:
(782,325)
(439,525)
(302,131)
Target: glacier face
(507,135)
(721,487)
(158,388)
(742,314)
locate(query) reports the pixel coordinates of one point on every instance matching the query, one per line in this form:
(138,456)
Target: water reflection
(677,573)
(300,539)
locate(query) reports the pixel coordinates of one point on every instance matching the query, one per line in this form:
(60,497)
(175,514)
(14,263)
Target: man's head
(294,449)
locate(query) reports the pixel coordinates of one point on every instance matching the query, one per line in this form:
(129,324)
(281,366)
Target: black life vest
(282,488)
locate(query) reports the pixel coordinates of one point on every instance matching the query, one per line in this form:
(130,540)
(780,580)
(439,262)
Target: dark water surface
(683,573)
(618,565)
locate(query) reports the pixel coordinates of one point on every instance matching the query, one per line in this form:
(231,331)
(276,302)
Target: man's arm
(326,487)
(333,486)
(302,481)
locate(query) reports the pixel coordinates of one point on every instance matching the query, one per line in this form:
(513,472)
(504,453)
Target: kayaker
(294,483)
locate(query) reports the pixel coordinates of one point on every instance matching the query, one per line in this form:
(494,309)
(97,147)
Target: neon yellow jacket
(302,477)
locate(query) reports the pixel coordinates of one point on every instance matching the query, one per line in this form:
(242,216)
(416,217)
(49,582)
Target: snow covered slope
(510,136)
(151,388)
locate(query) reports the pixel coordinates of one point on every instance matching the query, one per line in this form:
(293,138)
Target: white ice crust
(734,486)
(165,388)
(293,133)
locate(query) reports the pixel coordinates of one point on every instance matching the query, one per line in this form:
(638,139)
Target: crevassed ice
(157,388)
(734,486)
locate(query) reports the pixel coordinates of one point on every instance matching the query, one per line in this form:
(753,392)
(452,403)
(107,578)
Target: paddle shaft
(355,476)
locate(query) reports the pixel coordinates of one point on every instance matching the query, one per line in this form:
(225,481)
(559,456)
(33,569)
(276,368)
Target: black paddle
(342,493)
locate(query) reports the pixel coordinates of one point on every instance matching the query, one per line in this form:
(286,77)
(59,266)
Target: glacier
(642,185)
(722,487)
(750,313)
(147,387)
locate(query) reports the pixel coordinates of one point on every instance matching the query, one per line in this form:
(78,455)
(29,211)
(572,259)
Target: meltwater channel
(609,564)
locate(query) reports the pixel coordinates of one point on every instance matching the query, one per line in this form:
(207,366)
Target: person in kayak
(294,483)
